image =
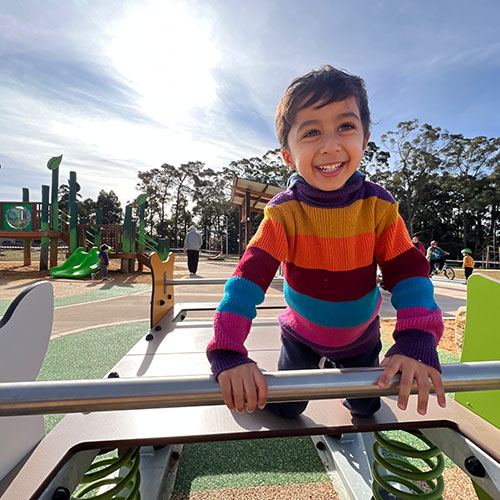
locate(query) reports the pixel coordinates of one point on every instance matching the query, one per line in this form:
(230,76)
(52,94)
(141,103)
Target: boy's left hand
(411,369)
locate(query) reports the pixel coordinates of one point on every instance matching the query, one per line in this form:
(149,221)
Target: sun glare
(164,51)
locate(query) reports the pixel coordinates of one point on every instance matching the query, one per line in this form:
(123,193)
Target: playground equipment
(79,264)
(44,221)
(166,372)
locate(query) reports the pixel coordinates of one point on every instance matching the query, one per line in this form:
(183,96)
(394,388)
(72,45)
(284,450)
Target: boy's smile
(325,145)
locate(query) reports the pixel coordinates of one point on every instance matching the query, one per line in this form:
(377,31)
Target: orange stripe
(393,241)
(271,238)
(358,218)
(332,254)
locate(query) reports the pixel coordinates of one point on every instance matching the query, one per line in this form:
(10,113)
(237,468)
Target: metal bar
(30,398)
(206,281)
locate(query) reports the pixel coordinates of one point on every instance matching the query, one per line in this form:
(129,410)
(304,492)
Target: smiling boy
(330,228)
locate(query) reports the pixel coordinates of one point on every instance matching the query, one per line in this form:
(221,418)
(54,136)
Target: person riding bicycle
(435,256)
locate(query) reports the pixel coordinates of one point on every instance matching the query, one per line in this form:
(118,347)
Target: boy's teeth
(330,168)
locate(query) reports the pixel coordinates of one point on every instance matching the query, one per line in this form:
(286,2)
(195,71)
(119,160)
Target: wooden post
(126,243)
(97,230)
(131,262)
(27,243)
(248,219)
(73,213)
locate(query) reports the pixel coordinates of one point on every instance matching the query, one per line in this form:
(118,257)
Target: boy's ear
(365,142)
(287,157)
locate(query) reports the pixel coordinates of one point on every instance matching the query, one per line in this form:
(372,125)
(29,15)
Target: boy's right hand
(243,384)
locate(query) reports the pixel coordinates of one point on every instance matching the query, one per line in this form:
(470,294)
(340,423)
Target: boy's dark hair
(326,84)
(103,247)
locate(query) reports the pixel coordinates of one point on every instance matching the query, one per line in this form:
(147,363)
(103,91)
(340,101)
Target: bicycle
(447,270)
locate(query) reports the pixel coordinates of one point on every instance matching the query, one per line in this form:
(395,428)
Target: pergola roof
(260,193)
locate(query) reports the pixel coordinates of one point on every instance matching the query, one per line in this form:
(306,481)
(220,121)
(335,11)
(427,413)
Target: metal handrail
(31,398)
(206,281)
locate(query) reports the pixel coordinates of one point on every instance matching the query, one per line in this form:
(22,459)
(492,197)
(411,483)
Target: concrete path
(135,307)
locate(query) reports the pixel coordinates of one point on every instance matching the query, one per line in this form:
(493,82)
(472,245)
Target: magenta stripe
(333,286)
(231,331)
(325,335)
(420,318)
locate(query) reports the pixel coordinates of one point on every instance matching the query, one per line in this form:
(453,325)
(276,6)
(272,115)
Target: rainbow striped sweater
(330,244)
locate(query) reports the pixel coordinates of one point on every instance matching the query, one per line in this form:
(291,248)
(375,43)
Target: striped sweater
(330,244)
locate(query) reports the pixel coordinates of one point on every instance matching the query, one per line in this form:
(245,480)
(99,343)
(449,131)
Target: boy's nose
(330,144)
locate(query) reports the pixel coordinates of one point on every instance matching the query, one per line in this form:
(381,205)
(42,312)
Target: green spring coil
(94,480)
(405,473)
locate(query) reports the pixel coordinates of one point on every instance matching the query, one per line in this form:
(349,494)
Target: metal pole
(30,398)
(206,281)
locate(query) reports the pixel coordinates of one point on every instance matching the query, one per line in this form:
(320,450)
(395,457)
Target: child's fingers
(389,373)
(250,393)
(423,393)
(437,382)
(405,389)
(226,390)
(261,384)
(238,394)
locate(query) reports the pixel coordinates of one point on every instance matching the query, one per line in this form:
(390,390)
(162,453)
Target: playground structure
(44,221)
(181,399)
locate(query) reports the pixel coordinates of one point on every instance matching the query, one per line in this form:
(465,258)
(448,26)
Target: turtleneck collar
(316,197)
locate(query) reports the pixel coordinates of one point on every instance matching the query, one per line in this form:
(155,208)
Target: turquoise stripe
(333,314)
(414,292)
(241,296)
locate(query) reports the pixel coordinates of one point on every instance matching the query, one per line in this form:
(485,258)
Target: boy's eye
(346,126)
(311,133)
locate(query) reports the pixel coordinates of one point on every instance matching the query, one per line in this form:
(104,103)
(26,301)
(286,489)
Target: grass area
(88,355)
(243,464)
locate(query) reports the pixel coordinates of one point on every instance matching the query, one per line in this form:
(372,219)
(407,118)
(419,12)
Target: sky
(119,86)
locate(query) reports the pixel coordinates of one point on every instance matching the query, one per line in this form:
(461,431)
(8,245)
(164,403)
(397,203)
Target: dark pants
(297,356)
(103,270)
(193,256)
(439,262)
(468,272)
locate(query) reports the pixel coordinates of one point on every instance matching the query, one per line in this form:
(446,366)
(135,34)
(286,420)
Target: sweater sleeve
(244,291)
(405,270)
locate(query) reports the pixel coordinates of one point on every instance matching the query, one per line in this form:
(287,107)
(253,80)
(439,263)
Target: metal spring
(132,480)
(405,473)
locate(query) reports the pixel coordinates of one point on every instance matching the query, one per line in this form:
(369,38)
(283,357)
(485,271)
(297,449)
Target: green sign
(17,217)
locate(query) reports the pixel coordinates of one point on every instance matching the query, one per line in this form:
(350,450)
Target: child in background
(468,262)
(330,229)
(104,259)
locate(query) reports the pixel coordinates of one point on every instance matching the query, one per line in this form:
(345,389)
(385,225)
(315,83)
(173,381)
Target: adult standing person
(418,245)
(192,244)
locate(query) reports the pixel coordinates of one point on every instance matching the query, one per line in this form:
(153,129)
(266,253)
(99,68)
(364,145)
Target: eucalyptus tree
(268,169)
(375,164)
(158,183)
(416,156)
(471,161)
(112,212)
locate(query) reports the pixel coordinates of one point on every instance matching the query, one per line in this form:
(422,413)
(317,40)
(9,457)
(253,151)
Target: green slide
(79,264)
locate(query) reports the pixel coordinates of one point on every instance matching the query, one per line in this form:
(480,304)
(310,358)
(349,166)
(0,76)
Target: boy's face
(325,145)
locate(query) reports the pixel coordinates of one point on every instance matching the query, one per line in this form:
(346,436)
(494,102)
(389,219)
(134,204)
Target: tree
(471,160)
(158,184)
(416,148)
(86,210)
(112,212)
(270,169)
(185,177)
(375,163)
